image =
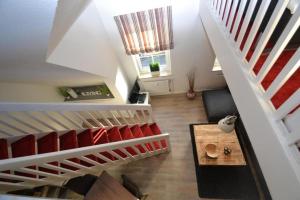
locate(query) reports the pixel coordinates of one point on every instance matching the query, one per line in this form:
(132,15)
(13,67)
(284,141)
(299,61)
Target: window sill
(162,75)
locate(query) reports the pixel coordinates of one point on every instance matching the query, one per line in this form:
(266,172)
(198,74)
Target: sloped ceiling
(67,12)
(85,46)
(24,34)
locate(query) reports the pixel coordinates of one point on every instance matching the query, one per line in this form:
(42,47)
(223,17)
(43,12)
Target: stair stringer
(266,134)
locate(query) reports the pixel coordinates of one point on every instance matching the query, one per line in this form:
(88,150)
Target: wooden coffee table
(210,133)
(228,176)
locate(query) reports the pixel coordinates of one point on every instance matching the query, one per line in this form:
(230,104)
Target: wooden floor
(169,176)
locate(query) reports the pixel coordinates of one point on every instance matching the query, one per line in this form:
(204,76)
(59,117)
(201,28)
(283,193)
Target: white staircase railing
(273,131)
(38,167)
(19,119)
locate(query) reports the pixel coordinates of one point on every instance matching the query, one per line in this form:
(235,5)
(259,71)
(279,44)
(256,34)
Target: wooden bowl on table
(211,151)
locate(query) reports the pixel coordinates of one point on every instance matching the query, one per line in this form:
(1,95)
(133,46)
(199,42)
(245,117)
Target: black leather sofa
(218,104)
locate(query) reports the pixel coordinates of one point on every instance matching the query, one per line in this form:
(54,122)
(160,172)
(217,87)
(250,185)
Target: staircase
(48,144)
(263,75)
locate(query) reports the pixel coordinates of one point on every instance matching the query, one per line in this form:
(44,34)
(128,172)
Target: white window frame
(162,68)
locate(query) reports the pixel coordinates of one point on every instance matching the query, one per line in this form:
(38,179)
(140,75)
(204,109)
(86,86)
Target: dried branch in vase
(191,80)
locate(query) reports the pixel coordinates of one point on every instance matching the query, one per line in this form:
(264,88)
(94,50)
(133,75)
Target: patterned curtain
(146,31)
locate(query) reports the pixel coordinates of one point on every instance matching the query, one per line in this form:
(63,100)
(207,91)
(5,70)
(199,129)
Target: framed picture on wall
(86,92)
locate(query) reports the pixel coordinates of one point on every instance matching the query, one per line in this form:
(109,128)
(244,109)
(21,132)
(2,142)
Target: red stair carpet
(86,138)
(47,144)
(24,147)
(69,141)
(126,134)
(137,133)
(101,137)
(292,84)
(114,135)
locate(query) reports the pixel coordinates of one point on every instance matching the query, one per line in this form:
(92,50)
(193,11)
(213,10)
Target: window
(217,66)
(144,60)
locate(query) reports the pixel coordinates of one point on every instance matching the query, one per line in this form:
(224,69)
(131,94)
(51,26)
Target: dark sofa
(218,104)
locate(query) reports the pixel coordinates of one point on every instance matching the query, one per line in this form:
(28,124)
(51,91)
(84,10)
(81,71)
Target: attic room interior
(150,100)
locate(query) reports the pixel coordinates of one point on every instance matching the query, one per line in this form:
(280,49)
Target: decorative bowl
(211,150)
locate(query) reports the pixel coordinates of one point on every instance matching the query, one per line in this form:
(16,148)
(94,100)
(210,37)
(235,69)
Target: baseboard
(184,91)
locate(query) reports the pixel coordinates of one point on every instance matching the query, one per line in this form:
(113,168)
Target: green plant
(154,67)
(63,91)
(104,90)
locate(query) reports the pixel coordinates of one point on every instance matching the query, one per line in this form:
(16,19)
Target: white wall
(21,92)
(192,49)
(27,92)
(86,47)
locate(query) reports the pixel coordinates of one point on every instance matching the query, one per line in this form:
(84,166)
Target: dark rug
(224,182)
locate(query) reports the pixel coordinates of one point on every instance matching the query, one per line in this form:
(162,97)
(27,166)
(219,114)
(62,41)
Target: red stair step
(137,133)
(101,137)
(86,138)
(156,131)
(148,132)
(290,86)
(47,144)
(126,134)
(114,135)
(24,147)
(4,155)
(3,149)
(69,141)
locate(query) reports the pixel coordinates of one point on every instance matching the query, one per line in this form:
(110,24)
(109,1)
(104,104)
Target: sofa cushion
(218,104)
